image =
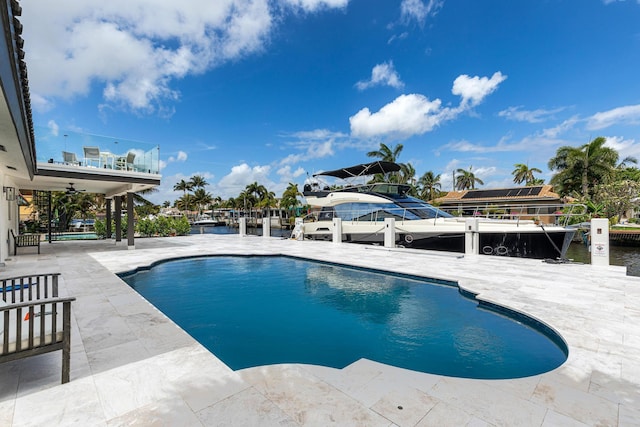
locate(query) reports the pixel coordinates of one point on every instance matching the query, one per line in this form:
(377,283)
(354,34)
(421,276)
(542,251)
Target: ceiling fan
(71,190)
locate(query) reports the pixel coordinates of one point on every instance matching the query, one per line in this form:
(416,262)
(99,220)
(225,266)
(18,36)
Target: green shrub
(100,227)
(182,226)
(147,227)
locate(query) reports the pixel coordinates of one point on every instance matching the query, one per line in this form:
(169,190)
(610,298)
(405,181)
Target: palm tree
(466,179)
(201,199)
(523,173)
(259,193)
(183,186)
(267,200)
(581,168)
(290,195)
(407,174)
(386,153)
(185,202)
(428,183)
(198,181)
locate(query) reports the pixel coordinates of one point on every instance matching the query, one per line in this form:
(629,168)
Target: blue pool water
(76,236)
(253,311)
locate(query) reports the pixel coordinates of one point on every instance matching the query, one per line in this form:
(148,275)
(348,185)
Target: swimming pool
(252,311)
(76,236)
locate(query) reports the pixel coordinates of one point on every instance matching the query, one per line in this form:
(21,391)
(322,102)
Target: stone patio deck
(130,365)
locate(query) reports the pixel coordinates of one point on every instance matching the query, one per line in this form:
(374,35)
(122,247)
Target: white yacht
(363,208)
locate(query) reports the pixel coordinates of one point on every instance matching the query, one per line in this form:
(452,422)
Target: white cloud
(313,5)
(627,115)
(40,104)
(419,10)
(624,147)
(407,115)
(135,52)
(315,144)
(474,89)
(415,114)
(286,175)
(53,127)
(382,74)
(530,116)
(561,128)
(180,157)
(242,175)
(400,36)
(166,191)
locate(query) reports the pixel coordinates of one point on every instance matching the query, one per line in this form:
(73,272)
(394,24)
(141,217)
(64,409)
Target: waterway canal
(628,256)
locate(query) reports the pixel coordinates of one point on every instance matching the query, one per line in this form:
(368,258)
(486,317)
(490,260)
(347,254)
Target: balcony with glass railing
(84,150)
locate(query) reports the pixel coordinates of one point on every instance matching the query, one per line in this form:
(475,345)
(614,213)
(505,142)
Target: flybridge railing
(558,214)
(81,150)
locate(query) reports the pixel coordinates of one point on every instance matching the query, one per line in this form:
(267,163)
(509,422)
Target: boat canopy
(362,170)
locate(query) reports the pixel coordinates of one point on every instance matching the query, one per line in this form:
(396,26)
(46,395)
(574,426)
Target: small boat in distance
(206,220)
(364,207)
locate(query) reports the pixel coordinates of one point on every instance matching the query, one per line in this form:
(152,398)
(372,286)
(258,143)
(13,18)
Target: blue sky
(272,90)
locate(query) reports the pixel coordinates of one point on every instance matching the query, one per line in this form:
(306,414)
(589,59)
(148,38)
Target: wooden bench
(25,240)
(34,319)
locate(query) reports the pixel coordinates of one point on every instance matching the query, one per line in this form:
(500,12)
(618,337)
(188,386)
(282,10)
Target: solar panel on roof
(503,192)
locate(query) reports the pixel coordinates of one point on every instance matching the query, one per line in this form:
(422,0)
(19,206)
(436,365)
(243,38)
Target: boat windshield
(420,209)
(405,209)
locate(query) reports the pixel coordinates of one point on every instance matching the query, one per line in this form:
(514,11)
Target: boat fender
(487,250)
(501,250)
(408,238)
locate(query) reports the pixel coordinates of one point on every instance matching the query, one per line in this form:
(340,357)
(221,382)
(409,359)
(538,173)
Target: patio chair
(91,155)
(126,163)
(34,319)
(70,158)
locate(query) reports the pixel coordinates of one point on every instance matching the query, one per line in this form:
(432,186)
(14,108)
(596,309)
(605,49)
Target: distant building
(524,202)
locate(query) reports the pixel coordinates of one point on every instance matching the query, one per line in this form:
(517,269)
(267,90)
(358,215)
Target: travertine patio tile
(246,408)
(406,407)
(145,370)
(585,407)
(173,412)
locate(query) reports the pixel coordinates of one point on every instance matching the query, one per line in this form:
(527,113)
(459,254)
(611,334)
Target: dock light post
(389,232)
(266,226)
(599,242)
(471,236)
(242,226)
(337,230)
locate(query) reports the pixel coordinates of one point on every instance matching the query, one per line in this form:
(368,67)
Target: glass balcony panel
(83,150)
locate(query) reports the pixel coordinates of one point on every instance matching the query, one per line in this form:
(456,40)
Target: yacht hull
(529,241)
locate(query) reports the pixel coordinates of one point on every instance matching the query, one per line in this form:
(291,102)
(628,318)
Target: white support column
(389,232)
(337,230)
(242,226)
(266,226)
(471,237)
(599,242)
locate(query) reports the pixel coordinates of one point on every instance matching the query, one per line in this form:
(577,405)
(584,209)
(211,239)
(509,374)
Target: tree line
(590,174)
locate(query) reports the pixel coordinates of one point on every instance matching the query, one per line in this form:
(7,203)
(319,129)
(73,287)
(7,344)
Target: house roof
(515,194)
